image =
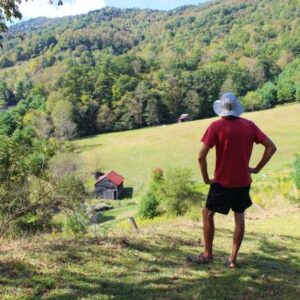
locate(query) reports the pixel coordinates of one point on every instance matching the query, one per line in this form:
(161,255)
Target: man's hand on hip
(253,170)
(209,181)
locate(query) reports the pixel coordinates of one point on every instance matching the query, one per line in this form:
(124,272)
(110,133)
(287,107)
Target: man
(233,138)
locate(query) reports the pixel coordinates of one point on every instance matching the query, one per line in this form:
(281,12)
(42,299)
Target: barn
(109,186)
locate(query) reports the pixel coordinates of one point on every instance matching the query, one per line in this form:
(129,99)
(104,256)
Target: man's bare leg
(239,230)
(208,232)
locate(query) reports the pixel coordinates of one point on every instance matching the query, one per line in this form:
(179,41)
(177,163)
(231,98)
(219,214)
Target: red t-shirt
(234,139)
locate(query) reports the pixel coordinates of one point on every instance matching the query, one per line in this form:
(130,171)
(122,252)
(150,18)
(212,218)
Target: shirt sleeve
(209,137)
(259,136)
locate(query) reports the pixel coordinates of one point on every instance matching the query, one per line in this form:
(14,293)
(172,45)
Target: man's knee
(239,219)
(207,214)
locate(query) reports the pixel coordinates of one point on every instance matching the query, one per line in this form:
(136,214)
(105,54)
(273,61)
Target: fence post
(133,223)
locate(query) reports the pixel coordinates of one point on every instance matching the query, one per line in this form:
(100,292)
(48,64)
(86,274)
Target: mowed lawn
(134,154)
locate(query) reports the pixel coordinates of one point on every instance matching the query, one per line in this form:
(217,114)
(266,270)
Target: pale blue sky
(40,8)
(154,4)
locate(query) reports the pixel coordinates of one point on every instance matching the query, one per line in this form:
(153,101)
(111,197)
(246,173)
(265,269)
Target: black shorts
(221,199)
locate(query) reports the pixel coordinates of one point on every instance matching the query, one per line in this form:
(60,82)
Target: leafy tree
(141,95)
(152,111)
(241,80)
(288,82)
(27,195)
(172,95)
(123,84)
(63,116)
(19,91)
(286,91)
(268,94)
(4,94)
(105,119)
(130,111)
(207,83)
(9,121)
(149,206)
(192,104)
(63,164)
(4,61)
(53,98)
(40,122)
(23,136)
(252,101)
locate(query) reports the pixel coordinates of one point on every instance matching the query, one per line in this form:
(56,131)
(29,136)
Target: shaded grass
(118,214)
(152,265)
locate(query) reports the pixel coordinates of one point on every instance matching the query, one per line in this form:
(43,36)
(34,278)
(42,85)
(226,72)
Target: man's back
(233,139)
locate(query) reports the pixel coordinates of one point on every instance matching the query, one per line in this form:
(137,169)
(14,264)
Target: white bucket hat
(228,105)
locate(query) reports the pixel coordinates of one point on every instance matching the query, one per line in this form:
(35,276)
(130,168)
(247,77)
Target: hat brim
(220,111)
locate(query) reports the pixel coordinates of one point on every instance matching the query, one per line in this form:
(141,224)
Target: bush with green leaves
(178,193)
(28,195)
(76,223)
(296,171)
(174,193)
(149,206)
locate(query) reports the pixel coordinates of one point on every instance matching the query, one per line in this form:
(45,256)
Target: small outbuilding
(184,118)
(109,186)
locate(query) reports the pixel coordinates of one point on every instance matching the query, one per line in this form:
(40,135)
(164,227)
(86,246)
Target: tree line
(117,69)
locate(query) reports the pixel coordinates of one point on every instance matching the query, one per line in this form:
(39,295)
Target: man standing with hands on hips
(233,137)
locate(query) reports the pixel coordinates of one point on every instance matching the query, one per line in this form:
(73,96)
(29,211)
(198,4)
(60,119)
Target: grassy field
(113,262)
(135,153)
(152,264)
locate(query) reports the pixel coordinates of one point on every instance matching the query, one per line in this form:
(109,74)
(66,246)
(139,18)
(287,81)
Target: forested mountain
(115,69)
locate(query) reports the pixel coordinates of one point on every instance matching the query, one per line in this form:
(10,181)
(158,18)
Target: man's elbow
(201,158)
(270,146)
(272,149)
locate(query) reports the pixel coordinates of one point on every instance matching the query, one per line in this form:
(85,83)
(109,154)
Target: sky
(41,8)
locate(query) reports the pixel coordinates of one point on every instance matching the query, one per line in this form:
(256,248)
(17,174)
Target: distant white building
(184,118)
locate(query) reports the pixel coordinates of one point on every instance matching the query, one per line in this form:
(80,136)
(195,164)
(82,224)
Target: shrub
(76,224)
(296,171)
(149,206)
(157,175)
(174,194)
(177,193)
(32,223)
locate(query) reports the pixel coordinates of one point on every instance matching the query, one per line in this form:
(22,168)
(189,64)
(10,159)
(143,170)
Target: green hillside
(118,69)
(136,153)
(114,82)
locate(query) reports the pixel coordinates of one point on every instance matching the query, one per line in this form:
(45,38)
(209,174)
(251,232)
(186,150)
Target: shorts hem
(215,210)
(240,211)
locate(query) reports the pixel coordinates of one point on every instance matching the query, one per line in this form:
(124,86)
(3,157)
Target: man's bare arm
(270,149)
(203,163)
